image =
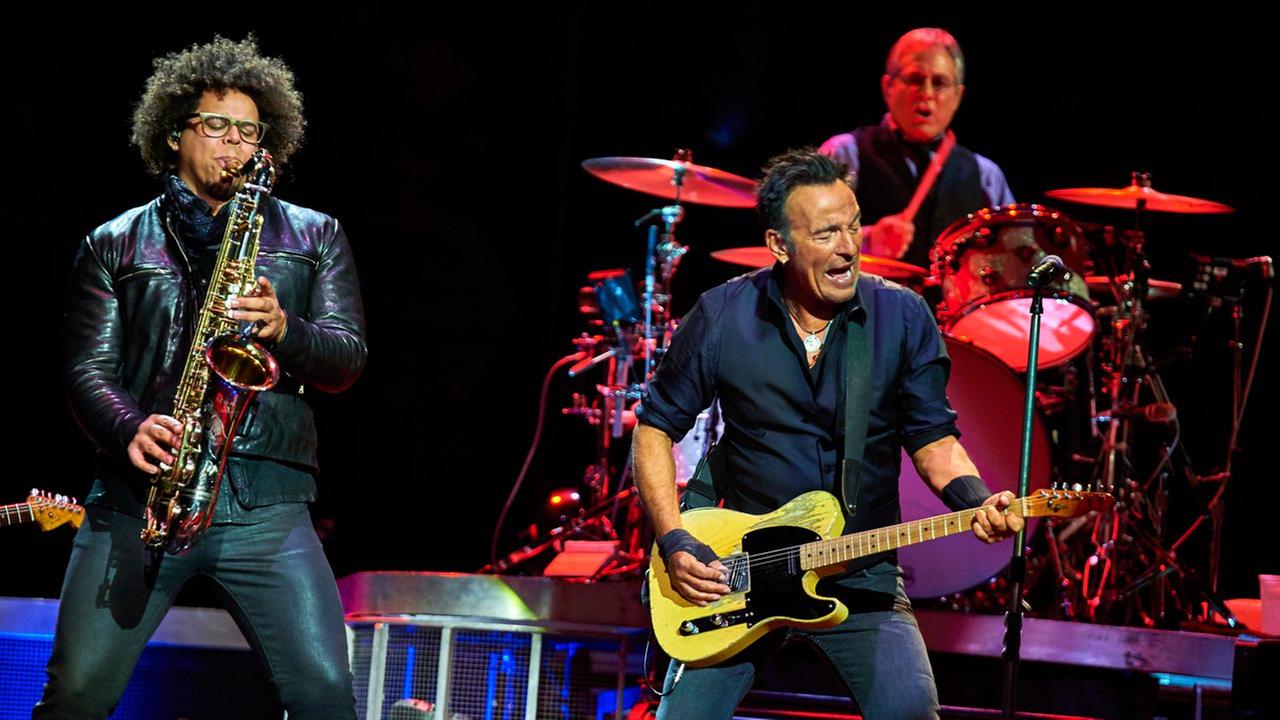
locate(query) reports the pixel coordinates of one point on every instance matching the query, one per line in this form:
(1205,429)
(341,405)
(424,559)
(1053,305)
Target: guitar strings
(862,538)
(786,555)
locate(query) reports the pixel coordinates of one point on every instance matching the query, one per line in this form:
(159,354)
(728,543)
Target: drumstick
(930,176)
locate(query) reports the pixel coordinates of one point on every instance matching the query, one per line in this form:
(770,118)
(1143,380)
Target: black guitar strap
(702,489)
(857,402)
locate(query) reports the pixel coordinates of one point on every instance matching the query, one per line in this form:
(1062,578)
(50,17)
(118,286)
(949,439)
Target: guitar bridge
(738,567)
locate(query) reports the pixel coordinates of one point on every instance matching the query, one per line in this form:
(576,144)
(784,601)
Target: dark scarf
(199,230)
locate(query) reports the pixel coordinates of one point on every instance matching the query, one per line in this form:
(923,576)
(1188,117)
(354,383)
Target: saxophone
(224,370)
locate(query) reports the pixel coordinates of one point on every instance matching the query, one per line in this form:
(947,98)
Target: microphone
(590,362)
(1262,264)
(1161,413)
(1049,268)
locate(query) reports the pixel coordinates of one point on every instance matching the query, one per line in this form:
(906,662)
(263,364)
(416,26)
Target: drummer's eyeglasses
(216,126)
(940,84)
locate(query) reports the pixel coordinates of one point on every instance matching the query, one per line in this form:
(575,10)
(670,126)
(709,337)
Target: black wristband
(965,492)
(680,540)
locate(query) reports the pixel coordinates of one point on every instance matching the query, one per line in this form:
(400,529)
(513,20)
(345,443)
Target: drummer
(922,84)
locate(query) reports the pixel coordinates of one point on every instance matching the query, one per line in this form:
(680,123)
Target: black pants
(279,589)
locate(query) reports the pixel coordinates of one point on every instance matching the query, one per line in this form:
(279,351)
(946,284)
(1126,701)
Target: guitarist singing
(786,350)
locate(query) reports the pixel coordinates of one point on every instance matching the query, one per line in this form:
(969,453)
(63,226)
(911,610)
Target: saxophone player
(136,284)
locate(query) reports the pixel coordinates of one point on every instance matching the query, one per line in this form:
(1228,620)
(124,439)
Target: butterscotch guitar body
(775,560)
(774,594)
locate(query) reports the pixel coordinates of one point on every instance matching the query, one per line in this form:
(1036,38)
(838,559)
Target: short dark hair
(180,79)
(788,171)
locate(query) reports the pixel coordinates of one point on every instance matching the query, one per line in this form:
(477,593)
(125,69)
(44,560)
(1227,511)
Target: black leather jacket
(131,310)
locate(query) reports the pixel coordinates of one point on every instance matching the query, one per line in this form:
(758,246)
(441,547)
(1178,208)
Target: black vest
(885,185)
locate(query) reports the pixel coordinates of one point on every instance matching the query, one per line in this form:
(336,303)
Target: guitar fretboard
(16,513)
(833,551)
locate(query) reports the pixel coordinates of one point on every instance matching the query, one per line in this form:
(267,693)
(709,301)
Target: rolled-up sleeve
(926,413)
(685,381)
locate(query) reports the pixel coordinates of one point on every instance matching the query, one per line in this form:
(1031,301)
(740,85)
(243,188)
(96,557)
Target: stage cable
(528,458)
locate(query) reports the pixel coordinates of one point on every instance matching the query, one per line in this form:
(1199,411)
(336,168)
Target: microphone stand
(1012,651)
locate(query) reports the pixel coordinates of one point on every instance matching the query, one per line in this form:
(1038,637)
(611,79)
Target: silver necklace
(812,343)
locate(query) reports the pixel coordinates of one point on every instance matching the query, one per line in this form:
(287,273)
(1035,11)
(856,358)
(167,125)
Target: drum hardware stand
(662,258)
(1128,544)
(631,333)
(1221,280)
(1126,371)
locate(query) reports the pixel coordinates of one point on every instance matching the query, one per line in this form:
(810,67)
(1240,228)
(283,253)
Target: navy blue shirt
(784,421)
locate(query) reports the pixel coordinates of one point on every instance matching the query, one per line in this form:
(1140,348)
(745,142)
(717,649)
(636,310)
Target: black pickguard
(776,588)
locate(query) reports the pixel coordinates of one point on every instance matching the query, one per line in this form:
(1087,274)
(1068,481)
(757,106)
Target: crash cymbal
(1140,192)
(759,256)
(1100,287)
(700,184)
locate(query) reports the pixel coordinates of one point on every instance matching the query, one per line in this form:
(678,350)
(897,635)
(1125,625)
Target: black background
(449,143)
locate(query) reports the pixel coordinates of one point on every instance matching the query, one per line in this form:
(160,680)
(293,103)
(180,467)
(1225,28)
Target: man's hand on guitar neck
(991,523)
(946,466)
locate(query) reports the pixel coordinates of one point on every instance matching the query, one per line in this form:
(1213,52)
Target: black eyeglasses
(216,126)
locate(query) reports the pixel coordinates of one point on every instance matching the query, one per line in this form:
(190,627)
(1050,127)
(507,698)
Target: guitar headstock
(1067,503)
(50,510)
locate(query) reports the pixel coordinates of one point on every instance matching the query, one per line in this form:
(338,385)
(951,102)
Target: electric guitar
(41,507)
(774,562)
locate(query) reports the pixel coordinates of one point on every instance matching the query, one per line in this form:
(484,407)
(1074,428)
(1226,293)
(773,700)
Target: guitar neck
(16,513)
(840,550)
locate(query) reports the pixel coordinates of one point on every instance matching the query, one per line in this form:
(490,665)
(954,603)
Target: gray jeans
(277,584)
(878,653)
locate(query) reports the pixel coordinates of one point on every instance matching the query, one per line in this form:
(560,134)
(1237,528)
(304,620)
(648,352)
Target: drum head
(1001,325)
(989,398)
(982,263)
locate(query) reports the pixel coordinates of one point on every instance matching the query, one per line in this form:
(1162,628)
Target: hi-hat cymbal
(1140,193)
(758,256)
(700,184)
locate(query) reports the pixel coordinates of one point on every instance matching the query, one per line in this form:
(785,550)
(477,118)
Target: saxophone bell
(242,362)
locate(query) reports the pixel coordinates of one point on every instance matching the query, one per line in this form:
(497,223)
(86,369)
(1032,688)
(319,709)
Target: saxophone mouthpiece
(237,170)
(233,170)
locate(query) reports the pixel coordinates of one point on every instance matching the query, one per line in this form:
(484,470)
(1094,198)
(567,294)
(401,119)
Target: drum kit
(1100,376)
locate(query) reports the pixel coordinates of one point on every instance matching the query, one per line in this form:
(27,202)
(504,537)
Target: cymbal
(1100,286)
(758,256)
(1129,198)
(700,184)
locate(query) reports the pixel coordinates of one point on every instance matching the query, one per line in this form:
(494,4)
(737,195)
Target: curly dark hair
(180,79)
(788,171)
